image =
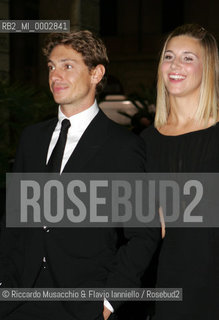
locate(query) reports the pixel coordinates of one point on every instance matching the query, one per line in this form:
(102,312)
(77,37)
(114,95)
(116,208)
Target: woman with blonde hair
(185,138)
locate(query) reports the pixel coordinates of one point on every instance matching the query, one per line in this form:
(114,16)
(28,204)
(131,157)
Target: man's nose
(56,74)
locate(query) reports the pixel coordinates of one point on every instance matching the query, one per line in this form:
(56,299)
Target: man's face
(70,80)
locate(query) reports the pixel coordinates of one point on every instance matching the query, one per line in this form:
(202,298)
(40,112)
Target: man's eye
(51,67)
(68,66)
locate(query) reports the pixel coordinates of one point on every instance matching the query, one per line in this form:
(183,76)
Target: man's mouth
(56,88)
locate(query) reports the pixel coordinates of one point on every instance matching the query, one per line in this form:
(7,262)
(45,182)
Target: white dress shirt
(79,123)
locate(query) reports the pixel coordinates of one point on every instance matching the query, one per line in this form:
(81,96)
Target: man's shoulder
(118,130)
(37,133)
(39,128)
(127,148)
(41,125)
(148,132)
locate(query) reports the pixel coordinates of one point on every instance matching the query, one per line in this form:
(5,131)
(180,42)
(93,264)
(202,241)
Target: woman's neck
(182,110)
(182,117)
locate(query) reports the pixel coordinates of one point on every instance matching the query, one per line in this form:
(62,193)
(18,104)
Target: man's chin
(59,100)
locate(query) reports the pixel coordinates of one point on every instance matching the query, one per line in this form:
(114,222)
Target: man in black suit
(75,257)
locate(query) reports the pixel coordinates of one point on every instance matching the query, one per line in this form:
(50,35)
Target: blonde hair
(209,91)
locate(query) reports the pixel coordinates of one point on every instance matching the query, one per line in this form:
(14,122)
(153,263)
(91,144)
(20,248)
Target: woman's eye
(167,57)
(188,59)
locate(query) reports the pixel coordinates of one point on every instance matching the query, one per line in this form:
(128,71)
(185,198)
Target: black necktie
(55,160)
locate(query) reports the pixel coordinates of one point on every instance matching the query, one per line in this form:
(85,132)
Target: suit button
(44,262)
(46,229)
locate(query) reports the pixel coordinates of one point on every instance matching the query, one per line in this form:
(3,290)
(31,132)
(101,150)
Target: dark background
(133,31)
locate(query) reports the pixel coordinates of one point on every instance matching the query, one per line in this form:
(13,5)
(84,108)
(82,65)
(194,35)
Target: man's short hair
(87,44)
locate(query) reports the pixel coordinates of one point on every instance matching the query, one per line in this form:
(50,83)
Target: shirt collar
(82,119)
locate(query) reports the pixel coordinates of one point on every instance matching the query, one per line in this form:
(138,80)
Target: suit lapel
(91,140)
(48,136)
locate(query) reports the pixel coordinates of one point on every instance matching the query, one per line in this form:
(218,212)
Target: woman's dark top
(189,257)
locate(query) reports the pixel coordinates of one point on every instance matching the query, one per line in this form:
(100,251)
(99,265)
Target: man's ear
(97,73)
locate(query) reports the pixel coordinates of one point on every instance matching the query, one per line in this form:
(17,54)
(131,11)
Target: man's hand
(106,313)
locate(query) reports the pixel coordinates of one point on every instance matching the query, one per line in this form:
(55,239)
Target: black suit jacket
(80,257)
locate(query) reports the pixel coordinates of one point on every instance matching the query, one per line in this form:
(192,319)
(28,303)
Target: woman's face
(182,66)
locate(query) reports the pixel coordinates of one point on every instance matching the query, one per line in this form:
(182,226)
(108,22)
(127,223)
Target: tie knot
(66,124)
